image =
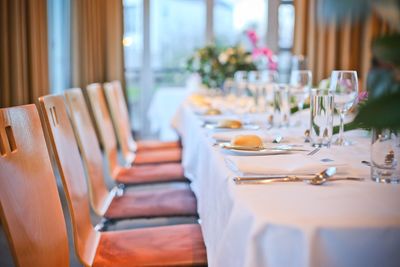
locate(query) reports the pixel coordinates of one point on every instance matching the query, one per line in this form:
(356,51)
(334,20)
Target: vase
(385,156)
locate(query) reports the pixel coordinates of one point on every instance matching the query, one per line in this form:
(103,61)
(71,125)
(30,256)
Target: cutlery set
(311,179)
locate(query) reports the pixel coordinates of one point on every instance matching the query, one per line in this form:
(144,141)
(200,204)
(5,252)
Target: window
(161,34)
(233,17)
(59,48)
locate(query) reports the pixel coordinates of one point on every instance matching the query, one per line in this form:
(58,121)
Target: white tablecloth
(163,106)
(344,223)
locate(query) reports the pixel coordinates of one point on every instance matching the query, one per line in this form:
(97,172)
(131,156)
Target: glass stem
(341,130)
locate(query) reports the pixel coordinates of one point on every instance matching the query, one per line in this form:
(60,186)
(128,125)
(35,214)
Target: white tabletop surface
(163,106)
(342,223)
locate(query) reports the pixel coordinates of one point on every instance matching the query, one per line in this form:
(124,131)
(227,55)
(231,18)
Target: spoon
(321,178)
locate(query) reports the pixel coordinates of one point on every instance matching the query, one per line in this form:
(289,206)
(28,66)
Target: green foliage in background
(215,64)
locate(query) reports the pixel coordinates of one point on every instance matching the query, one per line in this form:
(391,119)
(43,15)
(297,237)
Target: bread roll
(249,140)
(234,124)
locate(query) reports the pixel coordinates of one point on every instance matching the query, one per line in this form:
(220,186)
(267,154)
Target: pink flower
(262,51)
(252,35)
(362,96)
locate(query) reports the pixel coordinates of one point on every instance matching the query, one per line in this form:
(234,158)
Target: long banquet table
(342,223)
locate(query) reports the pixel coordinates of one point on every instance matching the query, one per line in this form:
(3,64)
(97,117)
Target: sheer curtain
(97,32)
(333,46)
(23,51)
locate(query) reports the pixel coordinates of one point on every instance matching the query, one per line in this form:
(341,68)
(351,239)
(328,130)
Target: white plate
(215,126)
(228,149)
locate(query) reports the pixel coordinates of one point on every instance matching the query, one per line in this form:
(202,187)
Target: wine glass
(344,87)
(300,86)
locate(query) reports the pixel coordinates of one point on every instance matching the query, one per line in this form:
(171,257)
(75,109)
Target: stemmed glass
(300,86)
(344,87)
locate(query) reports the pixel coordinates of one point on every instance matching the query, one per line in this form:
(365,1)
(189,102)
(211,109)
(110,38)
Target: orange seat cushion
(151,173)
(156,145)
(158,156)
(162,202)
(178,245)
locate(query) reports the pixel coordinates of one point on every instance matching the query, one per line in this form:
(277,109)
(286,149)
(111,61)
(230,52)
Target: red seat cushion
(179,245)
(158,156)
(151,173)
(162,202)
(144,145)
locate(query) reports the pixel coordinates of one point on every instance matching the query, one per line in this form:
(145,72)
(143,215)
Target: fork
(314,151)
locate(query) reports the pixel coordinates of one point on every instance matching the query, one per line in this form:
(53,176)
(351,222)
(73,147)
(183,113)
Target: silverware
(318,179)
(269,177)
(321,178)
(314,151)
(237,180)
(245,148)
(321,181)
(277,139)
(366,162)
(328,172)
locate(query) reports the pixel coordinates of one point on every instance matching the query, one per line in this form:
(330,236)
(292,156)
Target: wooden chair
(120,116)
(33,213)
(108,139)
(150,203)
(140,174)
(30,207)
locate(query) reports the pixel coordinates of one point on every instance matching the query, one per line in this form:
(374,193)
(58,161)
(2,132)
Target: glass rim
(321,91)
(344,71)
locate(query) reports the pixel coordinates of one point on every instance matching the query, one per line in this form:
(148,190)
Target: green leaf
(381,112)
(387,49)
(295,109)
(380,82)
(348,127)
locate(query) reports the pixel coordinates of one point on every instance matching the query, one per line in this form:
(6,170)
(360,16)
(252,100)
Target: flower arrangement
(261,54)
(215,64)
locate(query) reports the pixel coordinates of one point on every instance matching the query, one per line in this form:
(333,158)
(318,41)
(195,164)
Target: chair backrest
(30,207)
(90,149)
(120,116)
(104,124)
(72,174)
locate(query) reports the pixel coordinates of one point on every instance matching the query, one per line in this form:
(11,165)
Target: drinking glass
(281,105)
(300,85)
(385,156)
(255,89)
(240,78)
(268,79)
(344,87)
(321,126)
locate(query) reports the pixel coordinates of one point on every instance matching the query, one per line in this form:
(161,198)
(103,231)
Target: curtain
(332,46)
(97,32)
(23,51)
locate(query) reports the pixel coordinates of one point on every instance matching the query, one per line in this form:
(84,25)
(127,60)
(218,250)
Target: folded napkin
(296,164)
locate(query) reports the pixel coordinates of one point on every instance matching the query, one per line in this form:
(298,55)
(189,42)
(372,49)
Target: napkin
(296,164)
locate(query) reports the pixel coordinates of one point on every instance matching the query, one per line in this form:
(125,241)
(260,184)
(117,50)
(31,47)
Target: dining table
(339,223)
